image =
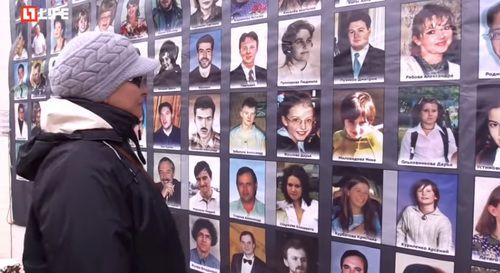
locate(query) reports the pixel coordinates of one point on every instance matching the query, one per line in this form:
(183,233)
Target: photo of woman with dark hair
(360,138)
(430,141)
(58,39)
(488,130)
(298,47)
(432,33)
(298,209)
(298,136)
(486,243)
(355,212)
(207,13)
(423,224)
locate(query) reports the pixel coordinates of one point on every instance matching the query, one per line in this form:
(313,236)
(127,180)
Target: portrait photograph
(427,219)
(430,40)
(292,252)
(357,203)
(133,20)
(485,239)
(105,15)
(487,128)
(169,53)
(287,7)
(428,126)
(140,129)
(205,13)
(21,79)
(37,78)
(61,32)
(81,19)
(167,177)
(297,195)
(489,39)
(167,16)
(247,189)
(248,123)
(298,123)
(477,269)
(20,42)
(247,249)
(166,112)
(249,56)
(204,246)
(21,116)
(346,3)
(36,113)
(204,123)
(406,263)
(204,184)
(359,46)
(205,60)
(246,10)
(17,146)
(354,258)
(299,48)
(358,125)
(38,38)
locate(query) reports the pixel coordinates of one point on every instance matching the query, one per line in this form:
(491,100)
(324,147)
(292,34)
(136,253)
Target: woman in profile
(298,208)
(424,224)
(359,138)
(429,141)
(433,31)
(356,213)
(488,135)
(486,243)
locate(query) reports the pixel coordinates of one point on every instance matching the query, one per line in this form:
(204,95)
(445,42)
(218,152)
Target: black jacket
(94,207)
(373,66)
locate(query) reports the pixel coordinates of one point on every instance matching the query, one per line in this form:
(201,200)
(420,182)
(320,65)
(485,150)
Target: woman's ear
(494,211)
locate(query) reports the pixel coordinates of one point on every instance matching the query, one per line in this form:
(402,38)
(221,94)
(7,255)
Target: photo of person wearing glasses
(298,133)
(489,44)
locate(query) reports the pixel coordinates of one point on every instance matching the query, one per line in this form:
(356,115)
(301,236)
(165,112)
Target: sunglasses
(138,81)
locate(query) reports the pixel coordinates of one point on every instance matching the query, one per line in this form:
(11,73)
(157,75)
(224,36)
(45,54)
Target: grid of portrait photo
(301,136)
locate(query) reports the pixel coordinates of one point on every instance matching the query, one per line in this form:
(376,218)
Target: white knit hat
(94,64)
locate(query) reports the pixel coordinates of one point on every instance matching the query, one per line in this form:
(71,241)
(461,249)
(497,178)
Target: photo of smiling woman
(357,203)
(428,123)
(358,126)
(298,123)
(300,45)
(430,39)
(297,196)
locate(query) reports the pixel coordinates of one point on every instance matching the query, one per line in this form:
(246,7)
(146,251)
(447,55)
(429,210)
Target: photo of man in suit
(361,61)
(169,187)
(205,74)
(247,73)
(247,261)
(168,135)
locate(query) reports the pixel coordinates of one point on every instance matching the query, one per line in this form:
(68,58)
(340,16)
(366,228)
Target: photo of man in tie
(246,261)
(358,60)
(21,88)
(248,73)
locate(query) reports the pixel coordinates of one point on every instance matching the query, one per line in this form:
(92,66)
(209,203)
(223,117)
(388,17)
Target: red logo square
(29,14)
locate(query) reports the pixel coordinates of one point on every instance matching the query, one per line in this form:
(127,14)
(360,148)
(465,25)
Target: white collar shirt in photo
(197,203)
(429,148)
(309,216)
(362,55)
(245,266)
(496,163)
